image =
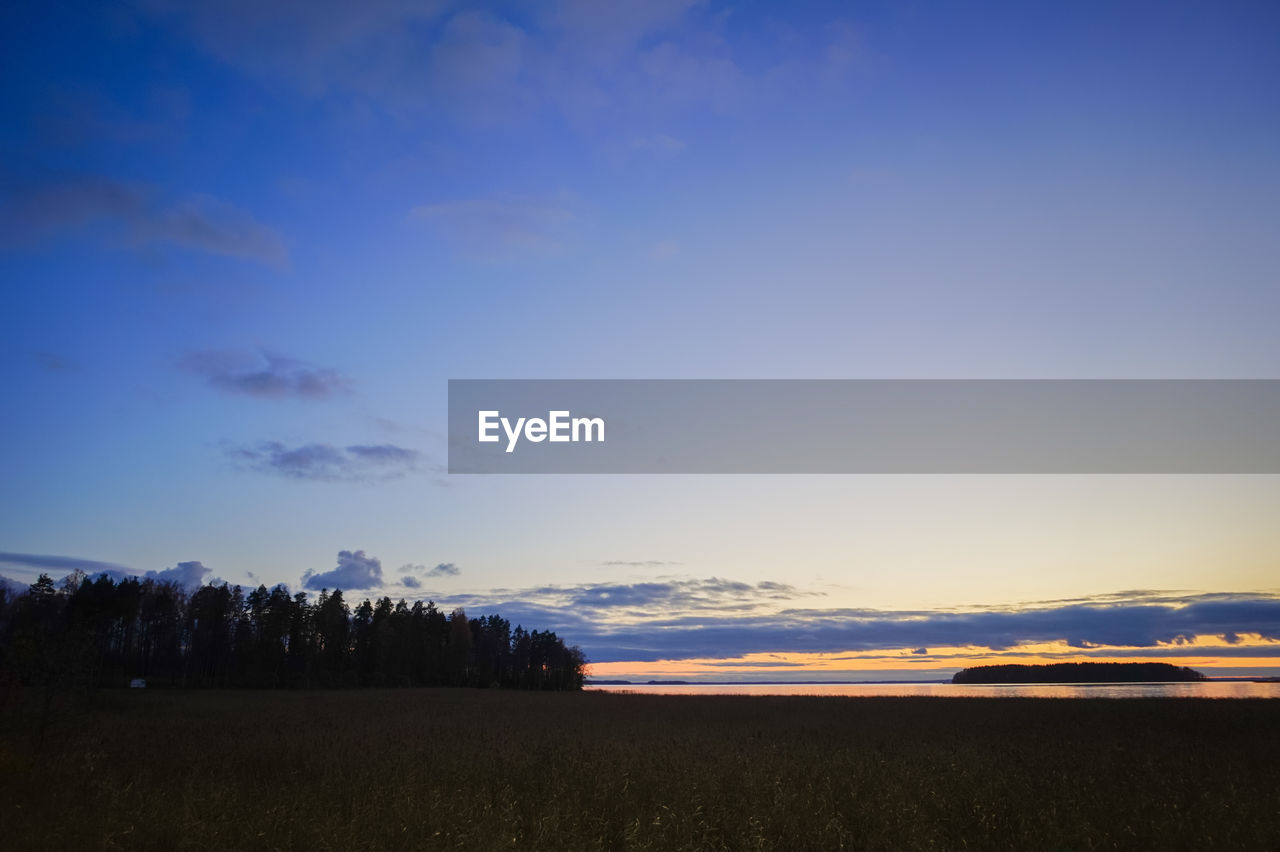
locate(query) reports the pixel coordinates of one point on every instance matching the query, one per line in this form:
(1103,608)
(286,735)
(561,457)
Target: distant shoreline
(590,682)
(1136,672)
(1207,679)
(935,681)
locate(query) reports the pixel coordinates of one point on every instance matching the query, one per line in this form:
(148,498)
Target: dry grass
(490,770)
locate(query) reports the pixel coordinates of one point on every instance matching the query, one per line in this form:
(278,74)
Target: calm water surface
(1219,689)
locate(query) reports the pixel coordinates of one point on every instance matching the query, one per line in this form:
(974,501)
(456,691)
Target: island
(1079,673)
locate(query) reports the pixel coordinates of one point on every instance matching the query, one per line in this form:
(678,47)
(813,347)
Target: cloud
(604,35)
(575,59)
(843,51)
(355,570)
(681,595)
(52,362)
(690,77)
(612,604)
(772,664)
(61,204)
(658,144)
(316,45)
(479,69)
(497,228)
(45,562)
(264,374)
(327,463)
(186,574)
(72,119)
(642,563)
(50,205)
(204,223)
(1136,625)
(714,618)
(382,454)
(443,569)
(416,573)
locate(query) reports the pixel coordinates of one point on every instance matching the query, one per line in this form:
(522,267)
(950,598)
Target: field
(480,769)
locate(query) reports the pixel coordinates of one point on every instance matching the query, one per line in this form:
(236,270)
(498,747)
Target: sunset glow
(247,247)
(1202,653)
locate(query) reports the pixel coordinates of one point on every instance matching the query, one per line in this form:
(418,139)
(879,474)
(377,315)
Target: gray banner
(864,426)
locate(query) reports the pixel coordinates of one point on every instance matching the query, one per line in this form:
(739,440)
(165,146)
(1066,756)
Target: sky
(244,246)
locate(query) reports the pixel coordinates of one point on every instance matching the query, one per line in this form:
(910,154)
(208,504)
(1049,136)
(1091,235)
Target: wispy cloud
(1134,625)
(442,569)
(577,59)
(714,618)
(73,119)
(690,77)
(498,228)
(204,223)
(47,206)
(186,574)
(264,374)
(659,143)
(379,454)
(318,46)
(198,222)
(53,362)
(638,563)
(327,463)
(354,571)
(47,562)
(415,574)
(611,604)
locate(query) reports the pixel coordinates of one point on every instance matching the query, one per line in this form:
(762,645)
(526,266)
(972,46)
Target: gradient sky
(244,245)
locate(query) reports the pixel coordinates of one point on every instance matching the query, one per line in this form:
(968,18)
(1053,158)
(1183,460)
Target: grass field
(366,769)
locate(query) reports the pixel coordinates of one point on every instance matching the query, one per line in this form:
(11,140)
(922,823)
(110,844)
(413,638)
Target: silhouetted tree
(94,630)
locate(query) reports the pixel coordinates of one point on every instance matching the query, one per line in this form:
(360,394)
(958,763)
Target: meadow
(494,769)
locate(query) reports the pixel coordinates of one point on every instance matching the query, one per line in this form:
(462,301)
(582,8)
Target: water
(1210,689)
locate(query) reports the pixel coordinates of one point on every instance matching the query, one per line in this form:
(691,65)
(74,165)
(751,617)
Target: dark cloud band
(327,463)
(720,619)
(264,374)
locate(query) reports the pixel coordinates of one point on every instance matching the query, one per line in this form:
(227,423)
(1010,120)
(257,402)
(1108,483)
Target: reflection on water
(1212,689)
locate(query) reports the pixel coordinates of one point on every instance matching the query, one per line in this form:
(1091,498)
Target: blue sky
(243,247)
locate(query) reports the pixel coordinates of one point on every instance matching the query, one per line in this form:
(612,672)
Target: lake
(1207,689)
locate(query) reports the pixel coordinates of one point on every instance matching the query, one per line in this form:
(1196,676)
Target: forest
(1079,673)
(95,631)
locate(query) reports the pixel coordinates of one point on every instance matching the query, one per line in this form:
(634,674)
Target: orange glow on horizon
(1197,654)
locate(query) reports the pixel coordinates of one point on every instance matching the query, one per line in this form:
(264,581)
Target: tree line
(1079,673)
(95,631)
